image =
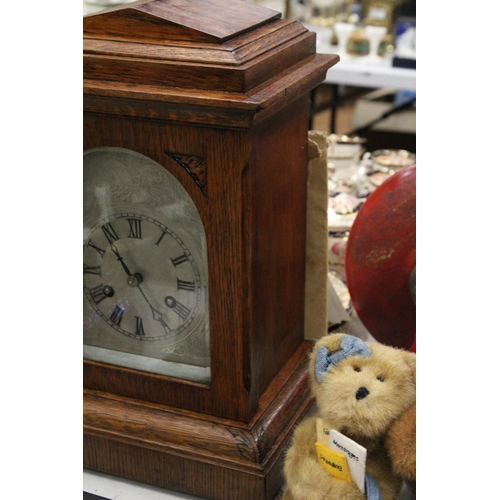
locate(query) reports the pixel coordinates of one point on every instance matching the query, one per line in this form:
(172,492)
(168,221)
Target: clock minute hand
(135,280)
(157,316)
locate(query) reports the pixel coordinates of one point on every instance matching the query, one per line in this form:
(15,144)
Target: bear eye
(381,378)
(357,368)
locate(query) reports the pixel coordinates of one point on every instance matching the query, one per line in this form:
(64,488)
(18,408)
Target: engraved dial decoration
(144,268)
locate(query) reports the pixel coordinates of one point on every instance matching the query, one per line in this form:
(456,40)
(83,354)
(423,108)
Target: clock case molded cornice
(249,70)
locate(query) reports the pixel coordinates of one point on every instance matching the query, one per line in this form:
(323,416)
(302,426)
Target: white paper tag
(355,454)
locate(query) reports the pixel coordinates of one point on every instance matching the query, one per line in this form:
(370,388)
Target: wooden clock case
(217,93)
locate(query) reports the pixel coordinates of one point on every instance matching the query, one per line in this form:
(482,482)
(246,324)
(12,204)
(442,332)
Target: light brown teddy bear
(361,389)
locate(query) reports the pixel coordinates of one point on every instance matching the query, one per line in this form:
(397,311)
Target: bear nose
(362,392)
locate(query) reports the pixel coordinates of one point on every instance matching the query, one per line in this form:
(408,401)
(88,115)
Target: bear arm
(401,445)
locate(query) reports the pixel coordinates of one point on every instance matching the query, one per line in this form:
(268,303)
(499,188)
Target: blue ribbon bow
(350,346)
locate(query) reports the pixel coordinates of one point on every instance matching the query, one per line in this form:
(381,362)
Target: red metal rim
(380,257)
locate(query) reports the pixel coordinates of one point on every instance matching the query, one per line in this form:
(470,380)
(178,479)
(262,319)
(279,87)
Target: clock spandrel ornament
(195,186)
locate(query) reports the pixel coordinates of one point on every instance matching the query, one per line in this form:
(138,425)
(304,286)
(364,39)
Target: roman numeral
(109,232)
(117,315)
(135,228)
(91,269)
(139,327)
(185,285)
(100,250)
(181,310)
(97,293)
(161,237)
(179,260)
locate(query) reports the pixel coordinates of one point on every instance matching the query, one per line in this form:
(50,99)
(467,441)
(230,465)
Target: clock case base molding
(194,453)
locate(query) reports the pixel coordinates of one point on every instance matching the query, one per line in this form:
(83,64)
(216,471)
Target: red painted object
(380,257)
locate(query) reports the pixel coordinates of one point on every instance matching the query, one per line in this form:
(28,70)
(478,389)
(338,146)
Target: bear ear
(411,361)
(334,348)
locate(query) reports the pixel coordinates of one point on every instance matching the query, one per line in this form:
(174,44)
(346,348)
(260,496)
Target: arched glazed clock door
(145,283)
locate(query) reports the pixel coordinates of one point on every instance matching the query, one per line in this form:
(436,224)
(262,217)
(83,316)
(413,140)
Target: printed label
(354,453)
(322,433)
(333,462)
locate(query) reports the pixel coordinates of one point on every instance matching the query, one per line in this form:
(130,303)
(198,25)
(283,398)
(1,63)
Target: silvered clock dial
(144,268)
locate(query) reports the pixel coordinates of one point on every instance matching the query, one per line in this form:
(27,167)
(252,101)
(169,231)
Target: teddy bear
(361,389)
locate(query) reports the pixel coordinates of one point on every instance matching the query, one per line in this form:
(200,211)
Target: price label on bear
(322,433)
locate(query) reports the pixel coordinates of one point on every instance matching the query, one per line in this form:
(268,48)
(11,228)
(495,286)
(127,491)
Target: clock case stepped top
(213,53)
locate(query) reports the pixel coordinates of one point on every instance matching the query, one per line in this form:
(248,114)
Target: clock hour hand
(120,258)
(134,279)
(157,316)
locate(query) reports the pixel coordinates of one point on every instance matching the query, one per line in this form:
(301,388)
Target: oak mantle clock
(195,177)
